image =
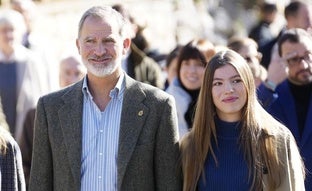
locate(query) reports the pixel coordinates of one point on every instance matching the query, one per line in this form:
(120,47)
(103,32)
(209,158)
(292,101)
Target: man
(71,70)
(248,49)
(262,32)
(22,80)
(108,131)
(39,45)
(291,101)
(297,15)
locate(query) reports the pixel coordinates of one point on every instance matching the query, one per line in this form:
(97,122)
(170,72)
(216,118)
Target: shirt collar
(116,92)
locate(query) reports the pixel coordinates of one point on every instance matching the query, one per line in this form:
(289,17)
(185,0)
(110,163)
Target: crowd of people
(115,114)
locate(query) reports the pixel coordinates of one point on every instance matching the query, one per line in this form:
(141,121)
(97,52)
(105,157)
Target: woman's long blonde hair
(4,129)
(4,133)
(257,137)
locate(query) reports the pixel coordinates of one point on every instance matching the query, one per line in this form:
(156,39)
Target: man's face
(298,59)
(71,71)
(304,18)
(101,47)
(6,36)
(252,57)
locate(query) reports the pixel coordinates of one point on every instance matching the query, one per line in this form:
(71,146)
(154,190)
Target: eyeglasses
(297,59)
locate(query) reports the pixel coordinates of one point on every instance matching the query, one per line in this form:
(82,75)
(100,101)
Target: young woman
(234,143)
(191,63)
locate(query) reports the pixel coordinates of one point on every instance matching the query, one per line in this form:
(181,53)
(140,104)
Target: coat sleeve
(266,96)
(41,174)
(26,144)
(295,165)
(167,168)
(19,168)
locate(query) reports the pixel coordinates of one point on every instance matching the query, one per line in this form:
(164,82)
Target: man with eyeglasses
(291,101)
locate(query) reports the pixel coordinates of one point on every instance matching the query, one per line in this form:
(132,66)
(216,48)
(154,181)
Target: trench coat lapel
(70,116)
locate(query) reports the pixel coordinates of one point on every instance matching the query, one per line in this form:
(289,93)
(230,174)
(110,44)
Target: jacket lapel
(133,115)
(288,104)
(307,131)
(70,116)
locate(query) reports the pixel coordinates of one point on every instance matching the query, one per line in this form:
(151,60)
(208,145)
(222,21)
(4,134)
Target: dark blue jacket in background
(281,105)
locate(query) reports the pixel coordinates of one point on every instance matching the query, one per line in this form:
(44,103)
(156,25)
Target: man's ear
(259,56)
(78,45)
(126,45)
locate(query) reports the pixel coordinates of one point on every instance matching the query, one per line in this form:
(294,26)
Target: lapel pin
(140,113)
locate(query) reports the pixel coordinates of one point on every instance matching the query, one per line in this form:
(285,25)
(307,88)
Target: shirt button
(101,154)
(100,177)
(101,131)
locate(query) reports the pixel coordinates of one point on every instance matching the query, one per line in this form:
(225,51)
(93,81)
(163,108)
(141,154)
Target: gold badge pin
(140,113)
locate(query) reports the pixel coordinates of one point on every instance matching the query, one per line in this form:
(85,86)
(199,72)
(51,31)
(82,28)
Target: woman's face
(229,93)
(192,73)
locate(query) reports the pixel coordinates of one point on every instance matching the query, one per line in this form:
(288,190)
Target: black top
(302,99)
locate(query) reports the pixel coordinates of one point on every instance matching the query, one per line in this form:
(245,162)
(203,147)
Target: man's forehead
(305,45)
(101,23)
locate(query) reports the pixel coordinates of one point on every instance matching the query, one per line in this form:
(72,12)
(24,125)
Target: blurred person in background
(191,64)
(248,49)
(71,70)
(262,32)
(298,14)
(22,81)
(171,65)
(291,101)
(234,143)
(39,45)
(142,42)
(27,9)
(136,63)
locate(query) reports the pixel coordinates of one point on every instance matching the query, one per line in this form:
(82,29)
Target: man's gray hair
(107,11)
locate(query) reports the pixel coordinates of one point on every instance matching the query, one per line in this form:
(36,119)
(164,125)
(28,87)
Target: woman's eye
(217,83)
(237,81)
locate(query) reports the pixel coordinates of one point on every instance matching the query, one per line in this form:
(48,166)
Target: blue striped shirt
(100,135)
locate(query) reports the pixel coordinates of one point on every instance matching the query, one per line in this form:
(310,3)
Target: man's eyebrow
(290,55)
